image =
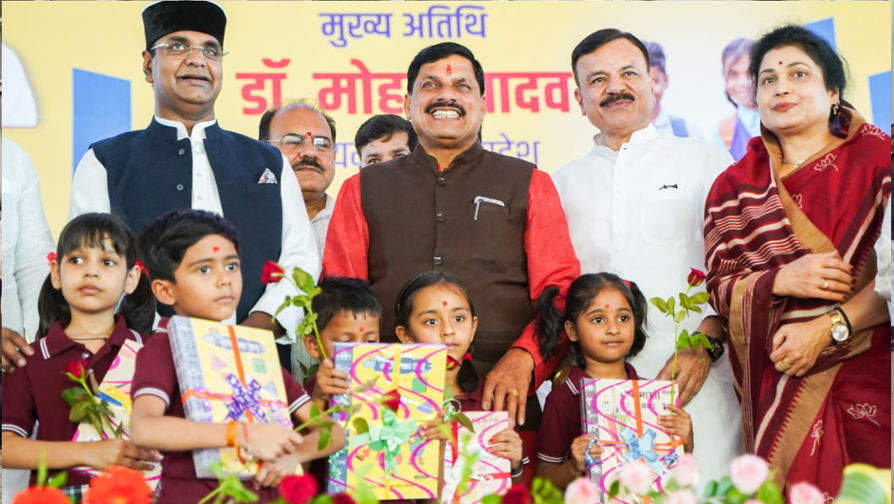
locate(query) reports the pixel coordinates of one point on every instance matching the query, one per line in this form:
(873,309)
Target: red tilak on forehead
(309,134)
(359,329)
(443,303)
(606,307)
(449,70)
(780,62)
(215,248)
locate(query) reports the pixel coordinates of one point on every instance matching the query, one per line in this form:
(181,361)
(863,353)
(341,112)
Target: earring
(835,109)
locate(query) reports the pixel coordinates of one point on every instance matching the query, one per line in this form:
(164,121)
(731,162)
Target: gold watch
(840,328)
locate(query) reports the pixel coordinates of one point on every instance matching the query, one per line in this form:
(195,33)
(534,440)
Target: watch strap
(717,351)
(847,321)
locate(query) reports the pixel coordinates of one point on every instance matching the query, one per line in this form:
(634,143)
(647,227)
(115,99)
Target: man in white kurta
(635,207)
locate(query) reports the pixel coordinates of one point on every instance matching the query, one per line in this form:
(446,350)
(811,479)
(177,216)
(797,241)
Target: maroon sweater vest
(423,220)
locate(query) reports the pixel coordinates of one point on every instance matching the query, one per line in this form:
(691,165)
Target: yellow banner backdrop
(82,62)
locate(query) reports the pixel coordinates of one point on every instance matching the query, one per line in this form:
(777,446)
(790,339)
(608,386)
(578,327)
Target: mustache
(445,104)
(307,162)
(616,97)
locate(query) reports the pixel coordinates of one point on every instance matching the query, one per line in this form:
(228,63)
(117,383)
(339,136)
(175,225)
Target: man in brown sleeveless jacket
(494,221)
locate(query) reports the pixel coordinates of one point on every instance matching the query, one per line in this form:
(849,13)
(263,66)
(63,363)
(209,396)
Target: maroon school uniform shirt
(155,375)
(33,393)
(561,416)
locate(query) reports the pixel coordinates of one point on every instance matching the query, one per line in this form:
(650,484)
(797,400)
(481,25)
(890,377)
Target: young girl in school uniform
(435,307)
(604,319)
(94,299)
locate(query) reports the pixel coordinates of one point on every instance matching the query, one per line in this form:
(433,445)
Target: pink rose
(681,497)
(805,493)
(748,473)
(298,489)
(686,470)
(637,477)
(582,491)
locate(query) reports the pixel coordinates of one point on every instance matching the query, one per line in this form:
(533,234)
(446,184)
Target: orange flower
(119,485)
(41,495)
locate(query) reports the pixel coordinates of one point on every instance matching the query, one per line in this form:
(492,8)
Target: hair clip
(467,356)
(51,258)
(626,282)
(138,263)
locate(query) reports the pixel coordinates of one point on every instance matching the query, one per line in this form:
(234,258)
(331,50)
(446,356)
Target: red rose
(298,489)
(119,485)
(41,495)
(342,498)
(392,400)
(77,368)
(272,273)
(518,494)
(696,277)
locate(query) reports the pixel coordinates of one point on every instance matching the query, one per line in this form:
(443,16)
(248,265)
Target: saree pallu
(808,428)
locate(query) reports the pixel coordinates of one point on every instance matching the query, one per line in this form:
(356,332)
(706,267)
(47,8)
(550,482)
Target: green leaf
(769,493)
(306,328)
(683,340)
(285,304)
(701,339)
(660,304)
(303,280)
(710,489)
(679,316)
(491,499)
(696,309)
(464,421)
(724,486)
(684,300)
(670,305)
(78,412)
(614,489)
(699,298)
(73,395)
(361,425)
(325,436)
(58,480)
(315,414)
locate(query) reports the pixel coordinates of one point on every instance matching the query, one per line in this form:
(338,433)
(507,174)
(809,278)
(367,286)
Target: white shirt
(26,241)
(18,104)
(638,213)
(884,249)
(320,223)
(90,193)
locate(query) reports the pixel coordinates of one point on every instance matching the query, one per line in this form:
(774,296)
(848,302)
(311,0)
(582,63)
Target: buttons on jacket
(442,181)
(179,187)
(438,260)
(440,217)
(181,151)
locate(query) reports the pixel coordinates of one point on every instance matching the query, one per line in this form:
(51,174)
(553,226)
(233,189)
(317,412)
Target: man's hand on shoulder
(506,386)
(14,345)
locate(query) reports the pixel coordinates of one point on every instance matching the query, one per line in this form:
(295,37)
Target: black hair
(732,52)
(163,243)
(343,294)
(438,52)
(267,118)
(581,292)
(384,126)
(467,378)
(598,39)
(656,55)
(820,52)
(91,230)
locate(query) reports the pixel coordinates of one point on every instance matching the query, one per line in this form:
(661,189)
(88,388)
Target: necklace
(793,163)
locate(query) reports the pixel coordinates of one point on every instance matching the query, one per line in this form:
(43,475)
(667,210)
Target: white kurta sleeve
(89,187)
(298,249)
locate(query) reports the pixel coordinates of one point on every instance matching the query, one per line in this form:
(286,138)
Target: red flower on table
(298,489)
(272,273)
(392,400)
(518,494)
(77,369)
(41,495)
(696,277)
(120,485)
(342,498)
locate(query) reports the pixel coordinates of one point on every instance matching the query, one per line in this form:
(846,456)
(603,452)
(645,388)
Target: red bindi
(359,329)
(309,134)
(215,248)
(443,303)
(780,62)
(449,70)
(606,307)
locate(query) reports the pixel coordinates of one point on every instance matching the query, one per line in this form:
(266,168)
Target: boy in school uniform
(193,260)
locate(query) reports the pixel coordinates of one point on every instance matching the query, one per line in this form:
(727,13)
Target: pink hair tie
(467,356)
(51,258)
(626,282)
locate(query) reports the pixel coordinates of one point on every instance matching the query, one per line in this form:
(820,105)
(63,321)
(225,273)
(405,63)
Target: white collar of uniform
(638,137)
(198,131)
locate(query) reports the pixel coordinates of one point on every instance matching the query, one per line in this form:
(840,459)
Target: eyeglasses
(181,50)
(292,142)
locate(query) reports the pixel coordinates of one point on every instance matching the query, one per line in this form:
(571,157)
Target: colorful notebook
(490,474)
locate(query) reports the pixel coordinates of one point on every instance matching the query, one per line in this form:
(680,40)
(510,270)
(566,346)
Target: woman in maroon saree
(789,235)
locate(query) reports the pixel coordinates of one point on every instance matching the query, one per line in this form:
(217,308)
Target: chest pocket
(667,217)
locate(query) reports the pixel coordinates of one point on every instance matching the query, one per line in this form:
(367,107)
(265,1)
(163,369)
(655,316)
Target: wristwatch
(841,327)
